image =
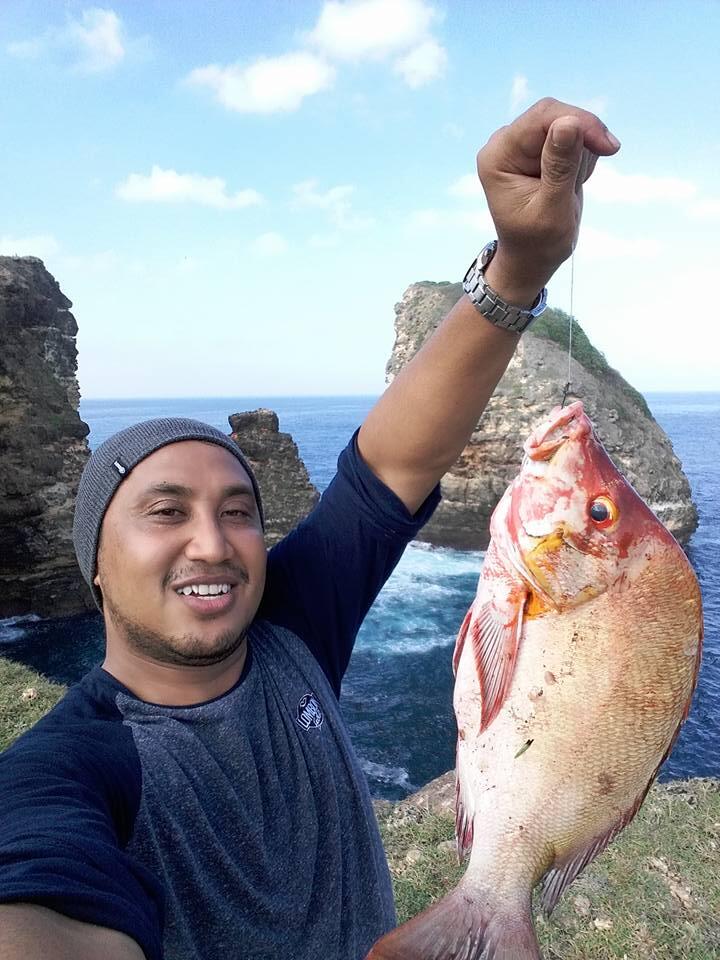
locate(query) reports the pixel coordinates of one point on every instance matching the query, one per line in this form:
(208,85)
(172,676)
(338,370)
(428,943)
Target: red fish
(575,668)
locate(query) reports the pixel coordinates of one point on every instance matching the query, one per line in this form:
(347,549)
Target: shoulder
(81,749)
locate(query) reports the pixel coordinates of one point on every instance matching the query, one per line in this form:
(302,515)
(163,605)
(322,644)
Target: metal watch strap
(490,304)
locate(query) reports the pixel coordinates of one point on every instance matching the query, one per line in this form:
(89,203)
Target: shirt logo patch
(309,712)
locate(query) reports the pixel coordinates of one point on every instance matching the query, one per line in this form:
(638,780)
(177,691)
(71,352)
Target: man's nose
(207,541)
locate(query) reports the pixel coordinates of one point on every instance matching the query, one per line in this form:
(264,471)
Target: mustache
(226,569)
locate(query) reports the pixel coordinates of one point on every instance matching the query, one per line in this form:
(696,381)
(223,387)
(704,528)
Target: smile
(204,589)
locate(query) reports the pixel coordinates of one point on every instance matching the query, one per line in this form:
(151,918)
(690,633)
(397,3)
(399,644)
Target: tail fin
(462,926)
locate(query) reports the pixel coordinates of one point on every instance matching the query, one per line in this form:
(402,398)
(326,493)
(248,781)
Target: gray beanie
(111,463)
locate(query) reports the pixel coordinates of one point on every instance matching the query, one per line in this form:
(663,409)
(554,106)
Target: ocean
(397,695)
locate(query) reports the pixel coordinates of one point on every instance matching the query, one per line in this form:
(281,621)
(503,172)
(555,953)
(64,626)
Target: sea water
(397,695)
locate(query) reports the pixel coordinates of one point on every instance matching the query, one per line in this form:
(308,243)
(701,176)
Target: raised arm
(532,172)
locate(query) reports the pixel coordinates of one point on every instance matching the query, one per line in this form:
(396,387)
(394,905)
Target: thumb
(561,155)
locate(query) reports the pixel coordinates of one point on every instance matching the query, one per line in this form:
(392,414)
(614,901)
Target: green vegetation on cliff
(554,325)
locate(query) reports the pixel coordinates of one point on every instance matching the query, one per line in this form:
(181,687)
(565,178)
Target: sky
(235,195)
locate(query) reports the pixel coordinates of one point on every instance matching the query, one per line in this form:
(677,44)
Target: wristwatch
(490,304)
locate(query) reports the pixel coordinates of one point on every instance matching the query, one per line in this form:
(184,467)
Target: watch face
(488,252)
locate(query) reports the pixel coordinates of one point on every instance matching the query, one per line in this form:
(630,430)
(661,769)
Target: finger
(523,140)
(587,165)
(561,159)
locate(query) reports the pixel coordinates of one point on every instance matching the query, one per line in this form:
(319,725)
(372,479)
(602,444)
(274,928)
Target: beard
(185,650)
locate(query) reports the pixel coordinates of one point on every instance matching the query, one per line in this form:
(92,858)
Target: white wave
(397,776)
(433,572)
(12,628)
(423,603)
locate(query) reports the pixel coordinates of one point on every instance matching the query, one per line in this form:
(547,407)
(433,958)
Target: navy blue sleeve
(324,576)
(63,823)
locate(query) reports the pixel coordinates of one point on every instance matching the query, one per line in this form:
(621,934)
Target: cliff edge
(532,385)
(43,446)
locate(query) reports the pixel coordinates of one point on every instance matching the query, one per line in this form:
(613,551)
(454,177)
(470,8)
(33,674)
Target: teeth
(204,589)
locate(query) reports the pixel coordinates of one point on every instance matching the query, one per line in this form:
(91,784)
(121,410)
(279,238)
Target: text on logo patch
(309,712)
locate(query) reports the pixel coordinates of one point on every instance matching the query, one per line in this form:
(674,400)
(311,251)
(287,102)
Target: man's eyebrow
(239,490)
(178,490)
(164,488)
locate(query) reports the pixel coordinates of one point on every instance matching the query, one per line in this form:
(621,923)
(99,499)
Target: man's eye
(170,512)
(238,512)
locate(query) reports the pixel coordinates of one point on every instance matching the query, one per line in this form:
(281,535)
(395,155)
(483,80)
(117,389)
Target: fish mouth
(563,423)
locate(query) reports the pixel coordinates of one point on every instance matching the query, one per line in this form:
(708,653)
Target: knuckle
(558,169)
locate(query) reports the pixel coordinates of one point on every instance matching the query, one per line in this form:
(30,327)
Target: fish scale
(575,668)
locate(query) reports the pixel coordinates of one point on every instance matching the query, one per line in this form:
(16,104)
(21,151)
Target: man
(196,797)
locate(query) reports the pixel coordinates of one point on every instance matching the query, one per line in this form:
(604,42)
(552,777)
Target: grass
(25,696)
(654,894)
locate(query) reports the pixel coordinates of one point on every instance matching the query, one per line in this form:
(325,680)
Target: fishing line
(566,389)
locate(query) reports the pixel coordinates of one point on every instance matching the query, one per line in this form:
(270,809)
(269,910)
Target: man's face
(181,560)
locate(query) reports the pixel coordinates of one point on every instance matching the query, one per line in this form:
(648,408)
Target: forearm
(420,425)
(30,932)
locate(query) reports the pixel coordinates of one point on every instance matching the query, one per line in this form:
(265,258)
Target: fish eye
(603,512)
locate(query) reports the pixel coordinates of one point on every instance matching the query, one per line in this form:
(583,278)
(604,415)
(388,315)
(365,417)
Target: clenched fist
(532,172)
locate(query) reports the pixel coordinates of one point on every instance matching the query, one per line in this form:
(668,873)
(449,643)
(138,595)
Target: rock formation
(42,444)
(532,385)
(287,493)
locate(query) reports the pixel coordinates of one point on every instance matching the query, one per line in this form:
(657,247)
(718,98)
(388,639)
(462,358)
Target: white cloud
(27,49)
(520,95)
(40,245)
(336,202)
(707,209)
(323,241)
(478,221)
(608,185)
(454,130)
(98,38)
(371,29)
(422,65)
(168,186)
(270,244)
(597,105)
(596,244)
(96,41)
(268,85)
(357,30)
(466,186)
(101,262)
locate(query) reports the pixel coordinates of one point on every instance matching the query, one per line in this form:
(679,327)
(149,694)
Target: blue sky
(234,195)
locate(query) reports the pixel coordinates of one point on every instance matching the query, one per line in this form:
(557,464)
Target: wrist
(517,283)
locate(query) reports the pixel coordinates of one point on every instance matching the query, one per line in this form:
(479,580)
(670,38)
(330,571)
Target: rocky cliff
(287,493)
(42,444)
(532,385)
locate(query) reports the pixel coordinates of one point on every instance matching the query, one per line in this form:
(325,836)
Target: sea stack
(285,487)
(43,445)
(532,385)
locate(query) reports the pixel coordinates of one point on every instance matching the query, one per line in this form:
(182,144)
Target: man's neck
(173,684)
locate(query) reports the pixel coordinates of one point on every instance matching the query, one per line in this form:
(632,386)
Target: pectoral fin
(460,642)
(495,637)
